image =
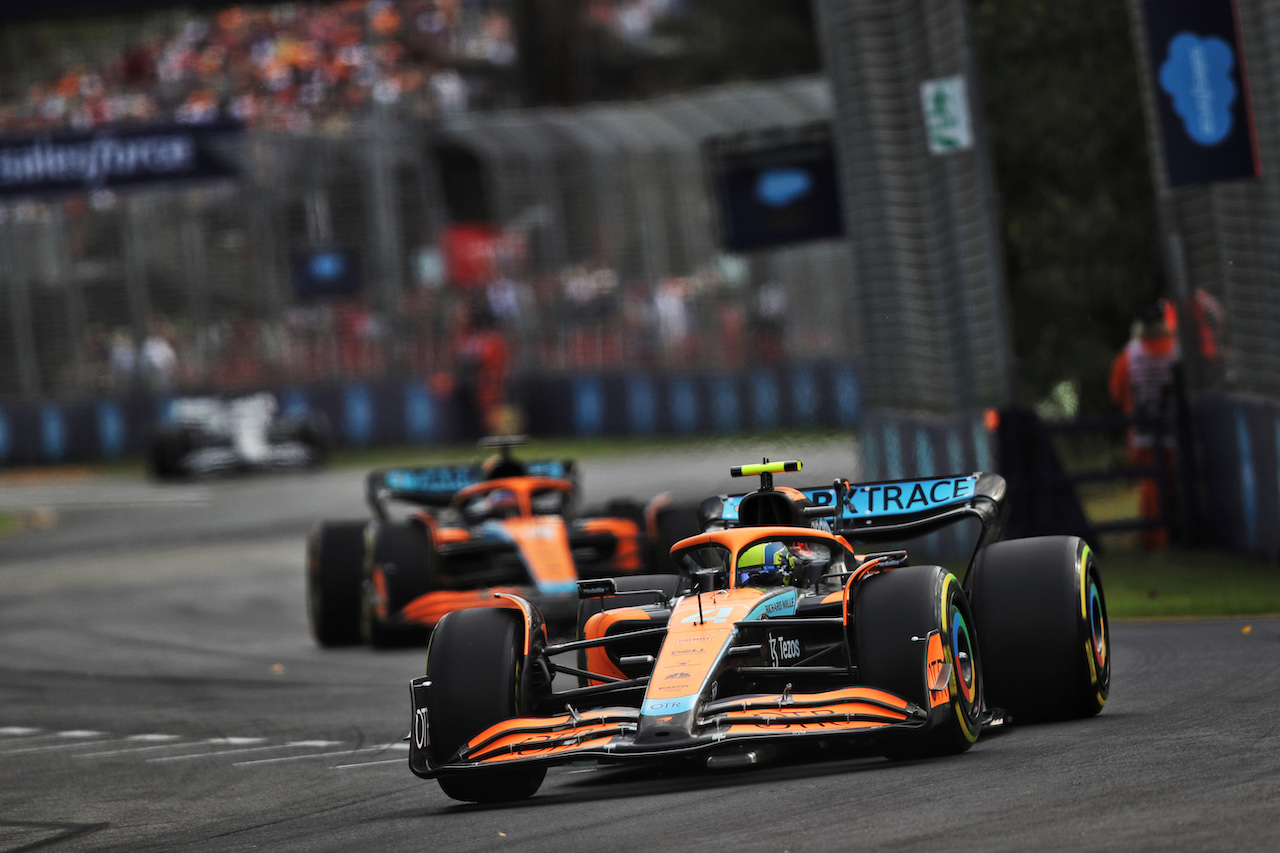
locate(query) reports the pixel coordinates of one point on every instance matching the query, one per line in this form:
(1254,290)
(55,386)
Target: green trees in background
(1062,101)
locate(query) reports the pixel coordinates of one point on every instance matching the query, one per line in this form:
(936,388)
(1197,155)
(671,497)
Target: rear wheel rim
(962,655)
(1097,626)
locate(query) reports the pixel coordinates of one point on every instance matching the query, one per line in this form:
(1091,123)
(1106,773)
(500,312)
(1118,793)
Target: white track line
(73,739)
(174,741)
(369,763)
(324,754)
(217,752)
(296,744)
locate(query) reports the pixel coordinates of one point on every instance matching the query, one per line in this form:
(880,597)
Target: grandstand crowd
(299,66)
(318,68)
(289,67)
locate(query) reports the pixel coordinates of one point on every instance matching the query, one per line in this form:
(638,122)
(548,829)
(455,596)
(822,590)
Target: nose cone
(662,732)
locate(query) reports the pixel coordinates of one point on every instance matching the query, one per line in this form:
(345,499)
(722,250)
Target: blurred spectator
(159,361)
(1142,385)
(123,360)
(673,316)
(481,373)
(771,320)
(1209,320)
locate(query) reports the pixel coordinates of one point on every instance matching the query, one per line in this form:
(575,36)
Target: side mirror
(597,588)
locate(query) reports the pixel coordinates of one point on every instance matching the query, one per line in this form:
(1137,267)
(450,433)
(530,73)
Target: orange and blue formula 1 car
(473,530)
(777,635)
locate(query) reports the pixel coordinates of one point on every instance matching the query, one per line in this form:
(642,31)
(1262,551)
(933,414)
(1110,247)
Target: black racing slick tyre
(168,448)
(1046,641)
(898,615)
(474,663)
(335,560)
(399,566)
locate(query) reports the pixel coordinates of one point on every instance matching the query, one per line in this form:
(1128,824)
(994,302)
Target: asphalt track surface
(159,691)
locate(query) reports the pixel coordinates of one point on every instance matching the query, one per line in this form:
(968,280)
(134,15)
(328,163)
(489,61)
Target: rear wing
(435,485)
(893,510)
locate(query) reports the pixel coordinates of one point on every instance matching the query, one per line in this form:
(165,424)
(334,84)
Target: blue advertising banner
(93,160)
(406,411)
(1201,91)
(775,187)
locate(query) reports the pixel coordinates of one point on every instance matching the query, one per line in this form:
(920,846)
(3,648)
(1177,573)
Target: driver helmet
(501,503)
(766,564)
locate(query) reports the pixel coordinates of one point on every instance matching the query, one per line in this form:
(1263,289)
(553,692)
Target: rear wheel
(399,569)
(1045,634)
(474,663)
(335,557)
(898,615)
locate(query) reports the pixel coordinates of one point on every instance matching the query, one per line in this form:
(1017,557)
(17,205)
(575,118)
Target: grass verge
(1178,583)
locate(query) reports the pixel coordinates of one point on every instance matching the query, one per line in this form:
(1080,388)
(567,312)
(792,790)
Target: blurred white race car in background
(207,435)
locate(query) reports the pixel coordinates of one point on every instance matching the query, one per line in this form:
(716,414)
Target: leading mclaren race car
(504,526)
(780,634)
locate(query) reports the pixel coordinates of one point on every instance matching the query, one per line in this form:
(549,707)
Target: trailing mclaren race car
(472,531)
(778,634)
(208,435)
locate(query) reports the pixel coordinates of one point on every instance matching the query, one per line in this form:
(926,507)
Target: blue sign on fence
(1202,95)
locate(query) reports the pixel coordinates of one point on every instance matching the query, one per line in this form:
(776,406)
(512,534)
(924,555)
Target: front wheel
(913,633)
(475,664)
(1045,634)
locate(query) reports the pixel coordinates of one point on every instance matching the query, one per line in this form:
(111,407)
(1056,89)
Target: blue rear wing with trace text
(901,509)
(435,485)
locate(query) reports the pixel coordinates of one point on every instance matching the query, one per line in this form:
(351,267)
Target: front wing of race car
(621,734)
